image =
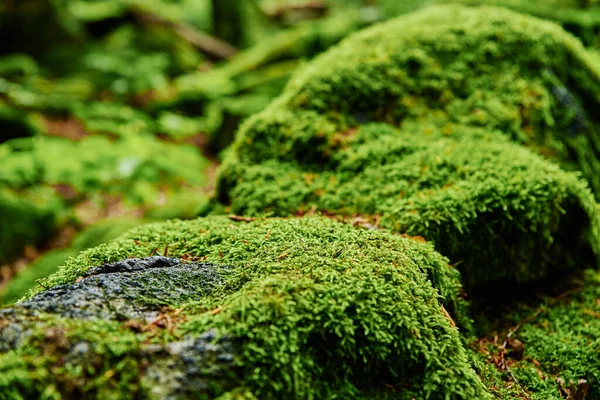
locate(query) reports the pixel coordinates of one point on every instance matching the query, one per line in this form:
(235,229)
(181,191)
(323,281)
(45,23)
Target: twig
(268,234)
(317,8)
(514,378)
(206,43)
(240,218)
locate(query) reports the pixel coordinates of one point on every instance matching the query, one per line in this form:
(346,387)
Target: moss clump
(560,338)
(313,307)
(446,65)
(401,122)
(500,210)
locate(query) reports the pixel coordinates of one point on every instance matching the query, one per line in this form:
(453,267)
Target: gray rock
(130,289)
(133,289)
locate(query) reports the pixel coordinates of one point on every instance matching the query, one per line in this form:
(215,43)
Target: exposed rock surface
(132,288)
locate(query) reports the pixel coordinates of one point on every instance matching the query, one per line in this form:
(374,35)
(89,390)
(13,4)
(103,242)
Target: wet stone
(134,288)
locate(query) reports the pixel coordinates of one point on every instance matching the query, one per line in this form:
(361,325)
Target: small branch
(240,218)
(315,9)
(206,43)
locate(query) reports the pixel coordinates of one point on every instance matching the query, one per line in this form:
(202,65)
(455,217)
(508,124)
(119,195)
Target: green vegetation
(301,299)
(580,17)
(48,263)
(444,173)
(521,76)
(25,222)
(560,345)
(413,214)
(499,210)
(141,96)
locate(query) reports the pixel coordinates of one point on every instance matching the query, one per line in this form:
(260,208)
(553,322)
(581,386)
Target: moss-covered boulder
(272,308)
(443,66)
(412,126)
(501,211)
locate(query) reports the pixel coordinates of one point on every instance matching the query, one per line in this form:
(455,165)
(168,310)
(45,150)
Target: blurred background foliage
(119,110)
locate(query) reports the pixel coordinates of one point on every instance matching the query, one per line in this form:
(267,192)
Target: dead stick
(206,43)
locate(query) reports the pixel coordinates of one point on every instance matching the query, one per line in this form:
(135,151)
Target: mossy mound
(409,121)
(501,211)
(310,308)
(443,66)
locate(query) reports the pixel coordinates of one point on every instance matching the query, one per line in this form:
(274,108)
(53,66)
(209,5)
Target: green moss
(112,118)
(560,338)
(26,279)
(581,18)
(103,231)
(501,211)
(315,307)
(565,339)
(25,221)
(521,76)
(135,166)
(106,365)
(442,167)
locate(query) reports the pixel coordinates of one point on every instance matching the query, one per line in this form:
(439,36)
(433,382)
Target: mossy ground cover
(557,346)
(314,307)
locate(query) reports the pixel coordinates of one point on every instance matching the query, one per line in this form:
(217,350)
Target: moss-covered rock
(408,124)
(304,307)
(447,65)
(501,211)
